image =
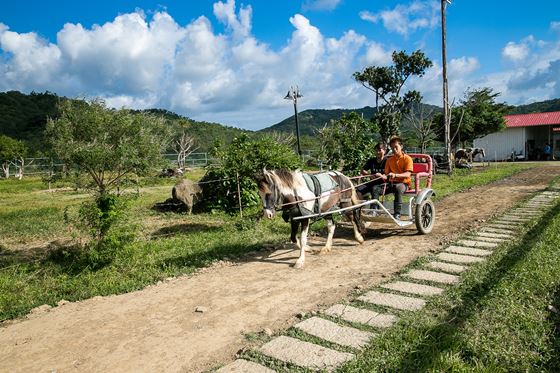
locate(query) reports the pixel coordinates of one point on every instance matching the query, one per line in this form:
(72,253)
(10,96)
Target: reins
(328,194)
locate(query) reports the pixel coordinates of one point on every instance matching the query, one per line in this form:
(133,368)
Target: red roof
(536,119)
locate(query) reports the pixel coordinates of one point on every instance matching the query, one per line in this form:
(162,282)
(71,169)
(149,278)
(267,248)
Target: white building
(525,135)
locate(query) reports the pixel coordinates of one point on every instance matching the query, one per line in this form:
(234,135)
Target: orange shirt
(398,165)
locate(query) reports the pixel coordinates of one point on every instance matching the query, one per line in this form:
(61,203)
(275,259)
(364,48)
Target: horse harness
(317,183)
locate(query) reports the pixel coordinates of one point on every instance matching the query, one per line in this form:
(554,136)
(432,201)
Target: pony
(289,191)
(468,154)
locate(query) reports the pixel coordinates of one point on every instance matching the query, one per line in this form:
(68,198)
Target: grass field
(41,262)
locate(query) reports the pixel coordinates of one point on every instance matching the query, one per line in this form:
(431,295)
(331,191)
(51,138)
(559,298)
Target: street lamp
(293,94)
(446,113)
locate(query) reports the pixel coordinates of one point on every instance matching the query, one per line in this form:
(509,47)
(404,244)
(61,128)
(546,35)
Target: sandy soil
(158,329)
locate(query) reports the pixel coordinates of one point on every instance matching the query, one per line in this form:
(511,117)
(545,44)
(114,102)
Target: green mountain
(311,120)
(537,107)
(24,117)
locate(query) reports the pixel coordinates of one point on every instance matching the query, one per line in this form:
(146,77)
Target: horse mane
(286,177)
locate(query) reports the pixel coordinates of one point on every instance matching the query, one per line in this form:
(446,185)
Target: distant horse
(468,154)
(289,191)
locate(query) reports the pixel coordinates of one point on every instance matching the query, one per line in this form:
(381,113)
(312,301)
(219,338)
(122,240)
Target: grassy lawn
(35,271)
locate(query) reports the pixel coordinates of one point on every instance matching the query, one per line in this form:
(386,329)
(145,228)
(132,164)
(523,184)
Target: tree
(387,83)
(109,145)
(477,115)
(349,141)
(423,124)
(236,166)
(184,146)
(10,151)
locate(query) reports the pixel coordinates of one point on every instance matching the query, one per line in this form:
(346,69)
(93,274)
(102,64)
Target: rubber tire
(425,216)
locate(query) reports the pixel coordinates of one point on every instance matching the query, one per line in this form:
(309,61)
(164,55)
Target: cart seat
(421,170)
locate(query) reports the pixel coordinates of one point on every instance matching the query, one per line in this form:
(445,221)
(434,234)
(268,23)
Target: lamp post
(293,94)
(446,114)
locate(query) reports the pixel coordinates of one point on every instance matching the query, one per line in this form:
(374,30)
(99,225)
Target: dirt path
(158,330)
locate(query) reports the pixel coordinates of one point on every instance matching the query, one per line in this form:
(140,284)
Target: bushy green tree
(477,115)
(239,162)
(387,83)
(10,150)
(349,142)
(108,145)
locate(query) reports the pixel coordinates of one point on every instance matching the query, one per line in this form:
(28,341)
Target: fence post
(239,196)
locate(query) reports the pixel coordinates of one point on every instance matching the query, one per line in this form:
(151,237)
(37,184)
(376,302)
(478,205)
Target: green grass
(463,179)
(34,272)
(497,320)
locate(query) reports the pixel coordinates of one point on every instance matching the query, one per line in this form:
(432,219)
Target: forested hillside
(537,107)
(24,117)
(311,120)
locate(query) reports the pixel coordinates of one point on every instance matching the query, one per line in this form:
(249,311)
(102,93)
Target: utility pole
(293,94)
(446,113)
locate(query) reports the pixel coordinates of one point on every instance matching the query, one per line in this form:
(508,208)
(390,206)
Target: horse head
(268,191)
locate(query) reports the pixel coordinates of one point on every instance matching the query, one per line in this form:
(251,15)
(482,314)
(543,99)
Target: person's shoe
(397,216)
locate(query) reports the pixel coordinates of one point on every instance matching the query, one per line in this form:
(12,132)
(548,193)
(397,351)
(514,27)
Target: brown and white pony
(468,154)
(287,190)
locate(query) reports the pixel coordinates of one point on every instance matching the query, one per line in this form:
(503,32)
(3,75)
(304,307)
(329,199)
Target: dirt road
(158,330)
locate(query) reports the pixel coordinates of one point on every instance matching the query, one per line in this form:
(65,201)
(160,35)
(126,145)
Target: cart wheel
(425,216)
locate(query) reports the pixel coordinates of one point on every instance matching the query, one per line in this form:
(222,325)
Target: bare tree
(285,138)
(20,166)
(423,123)
(184,146)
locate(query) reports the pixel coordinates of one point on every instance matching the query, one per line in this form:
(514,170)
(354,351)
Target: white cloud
(404,19)
(320,4)
(377,55)
(555,26)
(142,61)
(459,67)
(515,52)
(225,13)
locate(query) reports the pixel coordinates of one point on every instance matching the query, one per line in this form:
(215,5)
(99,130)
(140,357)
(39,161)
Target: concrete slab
(506,222)
(473,243)
(362,316)
(447,267)
(332,332)
(467,251)
(244,366)
(399,302)
(455,258)
(523,214)
(495,235)
(304,354)
(516,218)
(442,278)
(498,230)
(503,226)
(412,288)
(488,239)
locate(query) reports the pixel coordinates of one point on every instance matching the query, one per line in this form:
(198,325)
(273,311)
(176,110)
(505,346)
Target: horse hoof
(298,265)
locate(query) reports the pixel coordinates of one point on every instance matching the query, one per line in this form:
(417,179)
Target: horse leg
(303,243)
(293,235)
(356,224)
(330,229)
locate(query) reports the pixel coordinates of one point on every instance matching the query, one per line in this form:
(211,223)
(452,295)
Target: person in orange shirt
(398,169)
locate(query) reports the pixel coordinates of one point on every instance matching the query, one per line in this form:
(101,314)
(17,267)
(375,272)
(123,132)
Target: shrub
(238,164)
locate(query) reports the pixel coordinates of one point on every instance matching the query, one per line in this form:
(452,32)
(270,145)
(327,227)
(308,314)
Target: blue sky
(233,62)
